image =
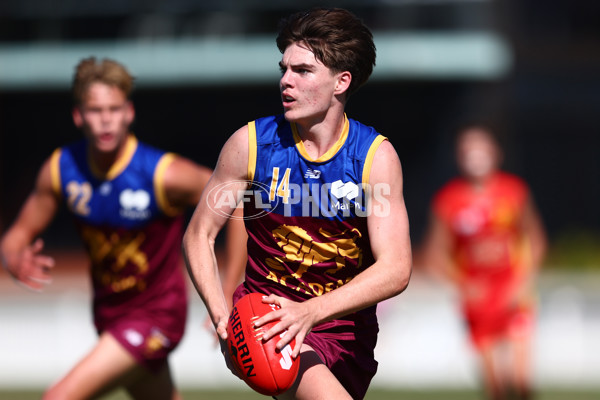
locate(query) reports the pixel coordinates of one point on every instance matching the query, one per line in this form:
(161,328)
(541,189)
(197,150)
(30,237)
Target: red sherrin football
(263,367)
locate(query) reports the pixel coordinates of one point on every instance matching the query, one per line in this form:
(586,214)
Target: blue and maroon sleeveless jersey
(130,232)
(307,222)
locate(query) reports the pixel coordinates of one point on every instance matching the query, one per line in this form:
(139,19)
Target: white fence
(421,343)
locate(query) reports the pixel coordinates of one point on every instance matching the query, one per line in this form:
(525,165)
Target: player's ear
(129,112)
(77,117)
(499,156)
(343,82)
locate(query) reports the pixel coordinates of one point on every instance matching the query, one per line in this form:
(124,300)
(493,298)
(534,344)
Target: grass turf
(373,394)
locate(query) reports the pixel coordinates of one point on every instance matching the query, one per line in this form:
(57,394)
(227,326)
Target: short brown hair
(109,72)
(483,127)
(338,39)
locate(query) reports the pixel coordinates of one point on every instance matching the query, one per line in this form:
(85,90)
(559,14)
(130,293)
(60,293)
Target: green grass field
(375,394)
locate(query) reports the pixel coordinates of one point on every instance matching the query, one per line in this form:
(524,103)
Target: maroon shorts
(348,353)
(346,347)
(147,338)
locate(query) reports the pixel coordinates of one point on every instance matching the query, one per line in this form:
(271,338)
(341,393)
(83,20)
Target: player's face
(477,153)
(104,116)
(307,86)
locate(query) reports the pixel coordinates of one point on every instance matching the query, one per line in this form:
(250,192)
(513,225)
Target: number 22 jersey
(129,230)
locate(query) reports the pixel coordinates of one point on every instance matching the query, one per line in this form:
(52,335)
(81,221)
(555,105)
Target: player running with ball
(328,234)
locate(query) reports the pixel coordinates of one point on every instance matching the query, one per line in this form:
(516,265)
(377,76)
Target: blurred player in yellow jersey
(127,201)
(486,236)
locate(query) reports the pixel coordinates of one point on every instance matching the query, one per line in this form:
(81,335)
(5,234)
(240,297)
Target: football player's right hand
(226,352)
(31,269)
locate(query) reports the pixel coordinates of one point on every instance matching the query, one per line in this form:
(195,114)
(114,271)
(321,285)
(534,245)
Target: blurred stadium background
(203,69)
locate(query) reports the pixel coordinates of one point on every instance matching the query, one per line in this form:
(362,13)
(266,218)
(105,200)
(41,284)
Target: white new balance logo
(348,190)
(312,173)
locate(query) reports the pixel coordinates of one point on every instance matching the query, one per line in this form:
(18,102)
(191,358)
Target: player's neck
(479,183)
(318,136)
(103,161)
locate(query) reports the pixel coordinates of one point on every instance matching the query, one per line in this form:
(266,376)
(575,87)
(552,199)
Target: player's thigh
(154,386)
(315,381)
(107,366)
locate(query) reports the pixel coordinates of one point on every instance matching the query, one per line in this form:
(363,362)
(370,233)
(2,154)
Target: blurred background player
(329,264)
(487,238)
(127,200)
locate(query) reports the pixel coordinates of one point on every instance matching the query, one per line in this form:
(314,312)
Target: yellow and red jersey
(485,222)
(489,249)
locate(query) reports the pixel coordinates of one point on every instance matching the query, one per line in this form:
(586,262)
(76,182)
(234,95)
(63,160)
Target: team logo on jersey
(312,173)
(338,250)
(134,204)
(469,221)
(345,193)
(348,190)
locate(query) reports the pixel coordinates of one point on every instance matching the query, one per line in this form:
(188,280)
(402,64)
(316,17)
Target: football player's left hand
(294,317)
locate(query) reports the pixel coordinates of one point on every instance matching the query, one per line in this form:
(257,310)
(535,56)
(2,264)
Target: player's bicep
(531,220)
(435,253)
(184,181)
(38,210)
(232,163)
(438,237)
(534,230)
(225,187)
(388,220)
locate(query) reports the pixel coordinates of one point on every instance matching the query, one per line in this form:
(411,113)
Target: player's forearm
(441,267)
(379,282)
(12,246)
(535,236)
(202,267)
(236,254)
(453,274)
(537,251)
(539,247)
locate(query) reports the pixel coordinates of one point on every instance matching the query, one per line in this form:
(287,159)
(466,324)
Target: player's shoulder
(147,149)
(452,187)
(513,182)
(270,119)
(269,129)
(238,139)
(446,196)
(361,127)
(69,156)
(510,178)
(64,159)
(363,135)
(73,148)
(382,153)
(146,156)
(365,142)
